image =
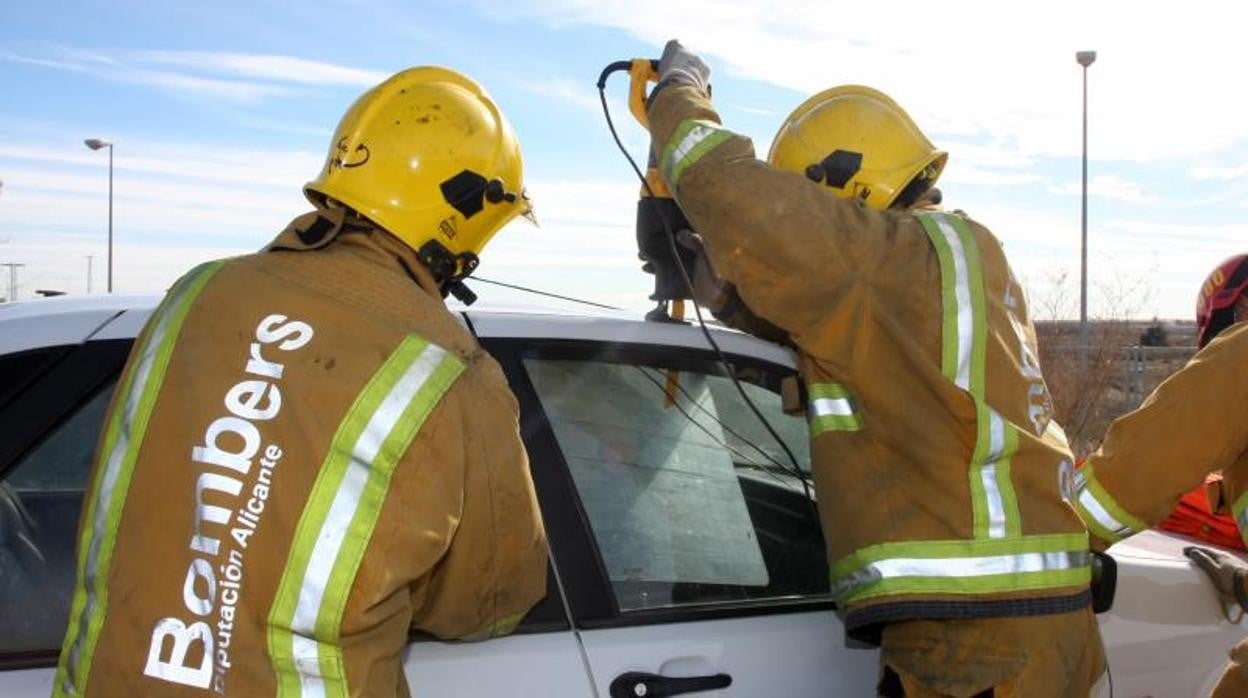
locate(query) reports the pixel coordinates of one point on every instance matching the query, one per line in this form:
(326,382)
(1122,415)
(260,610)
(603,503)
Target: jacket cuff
(1104,517)
(675,103)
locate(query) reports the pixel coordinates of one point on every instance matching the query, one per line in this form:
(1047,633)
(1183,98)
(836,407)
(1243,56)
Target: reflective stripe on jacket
(306,457)
(1191,425)
(943,483)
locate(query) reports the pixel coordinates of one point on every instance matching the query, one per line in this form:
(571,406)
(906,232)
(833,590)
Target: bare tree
(1089,381)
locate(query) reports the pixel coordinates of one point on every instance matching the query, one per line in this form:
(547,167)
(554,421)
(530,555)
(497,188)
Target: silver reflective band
(342,511)
(831,406)
(1092,505)
(112,471)
(961,567)
(988,475)
(700,137)
(962,292)
(691,140)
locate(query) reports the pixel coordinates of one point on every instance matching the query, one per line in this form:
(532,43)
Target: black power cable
(671,241)
(544,293)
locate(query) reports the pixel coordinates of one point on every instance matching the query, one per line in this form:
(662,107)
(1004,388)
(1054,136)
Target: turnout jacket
(306,457)
(1192,424)
(944,485)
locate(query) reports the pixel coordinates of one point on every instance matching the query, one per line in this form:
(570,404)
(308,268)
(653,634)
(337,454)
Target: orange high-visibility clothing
(1197,515)
(306,456)
(943,482)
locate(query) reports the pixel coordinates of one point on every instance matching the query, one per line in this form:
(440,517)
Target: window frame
(576,554)
(31,414)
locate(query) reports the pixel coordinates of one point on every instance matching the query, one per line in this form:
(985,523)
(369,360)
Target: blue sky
(221,111)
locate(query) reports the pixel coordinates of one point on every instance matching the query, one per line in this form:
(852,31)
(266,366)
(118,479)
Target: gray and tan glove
(1227,573)
(683,67)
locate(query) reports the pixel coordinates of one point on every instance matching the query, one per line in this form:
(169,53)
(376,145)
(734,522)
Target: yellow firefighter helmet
(861,144)
(428,156)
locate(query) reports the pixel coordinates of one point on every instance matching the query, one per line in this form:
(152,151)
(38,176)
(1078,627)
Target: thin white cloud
(237,91)
(755,110)
(276,68)
(241,166)
(1003,70)
(1107,187)
(1220,173)
(238,78)
(567,91)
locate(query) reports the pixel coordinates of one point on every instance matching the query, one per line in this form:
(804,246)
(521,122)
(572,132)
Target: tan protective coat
(456,548)
(862,296)
(1180,434)
(1191,425)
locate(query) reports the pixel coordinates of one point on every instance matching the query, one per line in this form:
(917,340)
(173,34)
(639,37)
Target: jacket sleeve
(1191,425)
(781,238)
(494,567)
(1234,494)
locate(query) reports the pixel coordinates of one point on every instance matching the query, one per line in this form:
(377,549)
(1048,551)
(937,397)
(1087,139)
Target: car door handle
(636,684)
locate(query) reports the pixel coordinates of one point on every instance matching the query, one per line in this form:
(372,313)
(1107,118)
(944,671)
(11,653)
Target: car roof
(75,319)
(62,320)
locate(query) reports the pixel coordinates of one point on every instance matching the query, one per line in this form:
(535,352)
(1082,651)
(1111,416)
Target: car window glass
(687,501)
(40,500)
(18,369)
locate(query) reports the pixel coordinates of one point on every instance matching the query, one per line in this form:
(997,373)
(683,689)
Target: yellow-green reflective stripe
(342,509)
(964,348)
(1100,511)
(1240,510)
(1005,483)
(123,438)
(958,321)
(832,408)
(1000,502)
(693,139)
(963,566)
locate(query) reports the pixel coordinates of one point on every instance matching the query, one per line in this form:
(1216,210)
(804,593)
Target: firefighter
(1181,433)
(307,455)
(943,482)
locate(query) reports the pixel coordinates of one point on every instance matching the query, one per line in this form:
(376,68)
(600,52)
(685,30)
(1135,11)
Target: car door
(692,560)
(52,404)
(48,430)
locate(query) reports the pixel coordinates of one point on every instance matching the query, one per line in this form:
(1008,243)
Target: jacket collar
(321,228)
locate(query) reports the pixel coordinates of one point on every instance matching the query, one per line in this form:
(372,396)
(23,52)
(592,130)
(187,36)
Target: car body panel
(1165,636)
(550,664)
(622,329)
(796,655)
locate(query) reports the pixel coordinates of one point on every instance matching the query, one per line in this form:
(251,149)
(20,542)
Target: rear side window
(40,501)
(688,499)
(19,369)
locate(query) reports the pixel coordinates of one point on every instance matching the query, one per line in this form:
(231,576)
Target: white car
(685,557)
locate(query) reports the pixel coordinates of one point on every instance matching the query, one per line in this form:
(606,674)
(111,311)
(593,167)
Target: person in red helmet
(1181,433)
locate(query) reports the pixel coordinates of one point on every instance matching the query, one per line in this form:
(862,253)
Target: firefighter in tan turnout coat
(307,455)
(944,486)
(1181,433)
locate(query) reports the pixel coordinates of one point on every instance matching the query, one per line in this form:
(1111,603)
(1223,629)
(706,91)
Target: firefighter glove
(1226,571)
(682,66)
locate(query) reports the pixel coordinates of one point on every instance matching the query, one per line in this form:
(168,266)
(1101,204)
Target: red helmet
(1215,304)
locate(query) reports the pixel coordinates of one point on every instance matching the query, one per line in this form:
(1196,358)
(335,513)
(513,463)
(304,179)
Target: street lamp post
(96,144)
(1085,59)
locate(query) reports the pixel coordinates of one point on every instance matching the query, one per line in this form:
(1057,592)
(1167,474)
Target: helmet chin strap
(450,269)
